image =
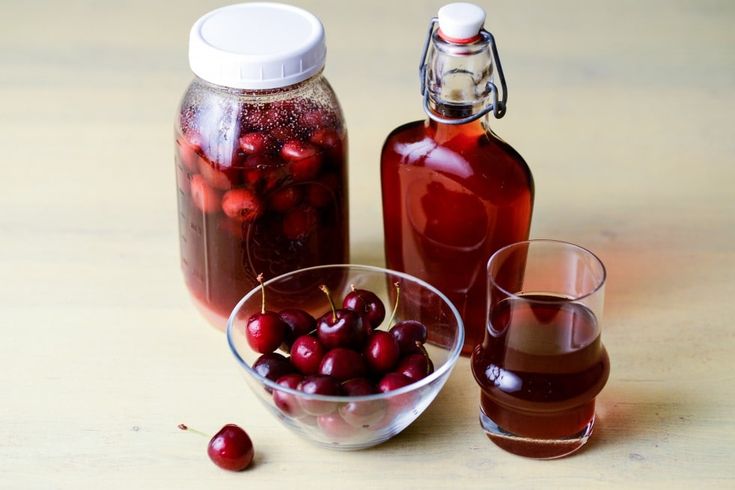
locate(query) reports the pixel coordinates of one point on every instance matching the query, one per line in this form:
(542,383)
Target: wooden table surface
(623,111)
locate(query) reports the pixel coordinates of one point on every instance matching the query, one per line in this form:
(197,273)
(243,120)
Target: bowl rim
(445,368)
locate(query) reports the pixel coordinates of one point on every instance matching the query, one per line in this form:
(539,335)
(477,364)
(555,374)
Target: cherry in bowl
(355,414)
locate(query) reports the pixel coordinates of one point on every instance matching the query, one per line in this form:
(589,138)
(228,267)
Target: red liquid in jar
(267,197)
(452,196)
(540,367)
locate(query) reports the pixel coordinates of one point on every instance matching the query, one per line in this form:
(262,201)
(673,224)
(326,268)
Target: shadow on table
(641,415)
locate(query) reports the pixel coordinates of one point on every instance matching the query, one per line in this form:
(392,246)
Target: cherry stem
(395,306)
(262,295)
(325,290)
(352,287)
(189,429)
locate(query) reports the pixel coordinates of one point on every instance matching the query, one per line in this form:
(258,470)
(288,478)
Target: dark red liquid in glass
(540,367)
(256,207)
(452,196)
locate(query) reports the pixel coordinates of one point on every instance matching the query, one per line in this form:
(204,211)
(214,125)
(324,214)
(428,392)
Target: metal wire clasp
(497,107)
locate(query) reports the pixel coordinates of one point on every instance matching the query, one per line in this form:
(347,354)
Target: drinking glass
(542,362)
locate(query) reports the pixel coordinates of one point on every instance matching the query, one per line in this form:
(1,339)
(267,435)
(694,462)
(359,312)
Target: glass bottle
(261,155)
(453,191)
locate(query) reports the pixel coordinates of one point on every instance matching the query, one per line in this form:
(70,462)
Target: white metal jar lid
(257,45)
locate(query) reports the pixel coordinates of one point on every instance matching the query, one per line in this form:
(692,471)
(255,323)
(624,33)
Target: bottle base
(532,447)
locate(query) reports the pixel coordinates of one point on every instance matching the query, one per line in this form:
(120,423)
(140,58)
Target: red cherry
(283,199)
(407,333)
(273,366)
(319,385)
(203,196)
(344,328)
(366,302)
(304,160)
(253,178)
(381,352)
(335,427)
(307,354)
(286,402)
(359,387)
(221,178)
(393,381)
(415,366)
(297,150)
(326,138)
(306,169)
(299,222)
(299,323)
(242,205)
(362,413)
(332,144)
(265,331)
(343,364)
(231,448)
(254,143)
(365,414)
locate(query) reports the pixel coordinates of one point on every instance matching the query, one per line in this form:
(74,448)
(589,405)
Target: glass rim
(446,367)
(566,244)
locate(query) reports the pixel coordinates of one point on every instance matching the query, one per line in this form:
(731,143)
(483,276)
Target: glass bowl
(342,422)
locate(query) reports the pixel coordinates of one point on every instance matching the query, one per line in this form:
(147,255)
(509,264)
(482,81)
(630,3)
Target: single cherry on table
(230,448)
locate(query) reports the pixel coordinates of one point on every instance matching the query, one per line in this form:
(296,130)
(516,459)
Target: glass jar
(261,155)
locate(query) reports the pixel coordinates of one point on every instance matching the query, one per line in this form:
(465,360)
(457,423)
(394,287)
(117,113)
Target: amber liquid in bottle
(452,196)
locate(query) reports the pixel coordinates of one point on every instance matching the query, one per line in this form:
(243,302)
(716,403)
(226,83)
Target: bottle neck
(457,78)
